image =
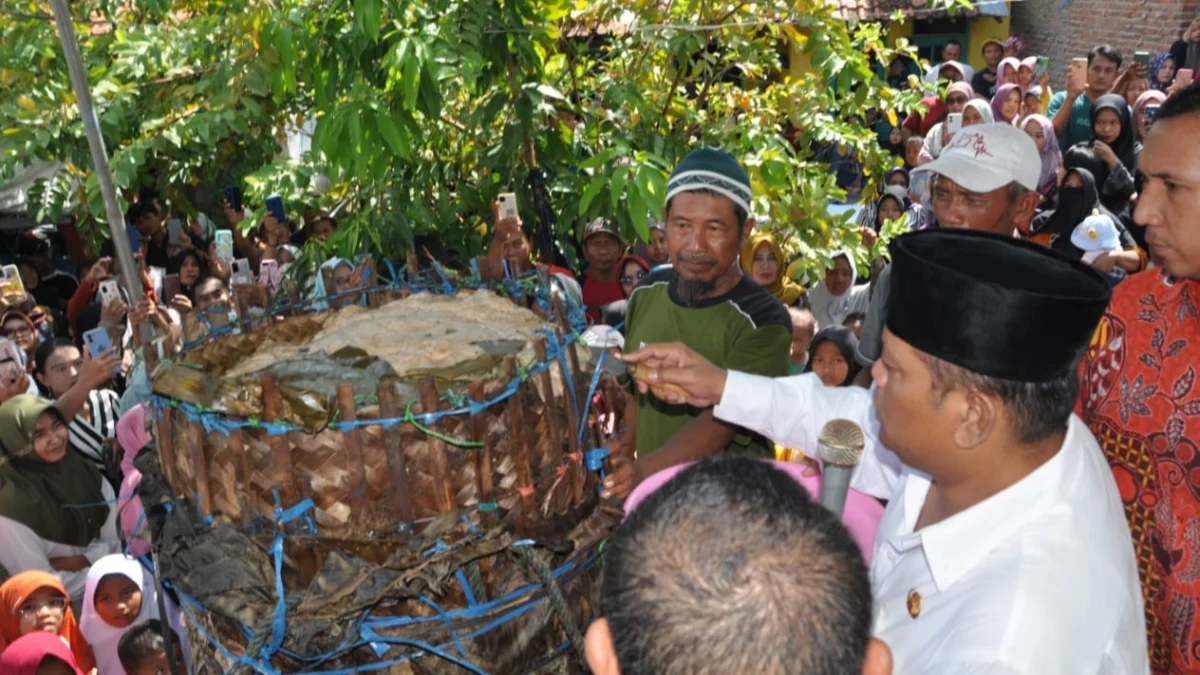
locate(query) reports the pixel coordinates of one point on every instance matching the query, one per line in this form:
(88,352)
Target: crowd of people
(1039,319)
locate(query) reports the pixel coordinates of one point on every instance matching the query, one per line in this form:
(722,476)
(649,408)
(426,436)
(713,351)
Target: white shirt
(791,412)
(1040,578)
(21,549)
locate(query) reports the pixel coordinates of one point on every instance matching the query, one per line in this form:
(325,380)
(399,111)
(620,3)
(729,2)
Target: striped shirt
(90,437)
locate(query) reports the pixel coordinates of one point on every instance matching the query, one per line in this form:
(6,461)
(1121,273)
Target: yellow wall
(979,30)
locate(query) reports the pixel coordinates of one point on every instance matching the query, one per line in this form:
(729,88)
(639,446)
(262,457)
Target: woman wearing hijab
(120,594)
(1008,72)
(342,275)
(191,267)
(763,261)
(1162,72)
(54,503)
(39,654)
(133,434)
(630,271)
(1116,187)
(831,356)
(896,183)
(958,95)
(977,111)
(1078,198)
(34,601)
(837,296)
(1006,104)
(1141,121)
(59,369)
(1041,129)
(1113,133)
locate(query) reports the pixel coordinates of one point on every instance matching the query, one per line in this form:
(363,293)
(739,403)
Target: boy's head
(854,321)
(804,326)
(143,649)
(912,151)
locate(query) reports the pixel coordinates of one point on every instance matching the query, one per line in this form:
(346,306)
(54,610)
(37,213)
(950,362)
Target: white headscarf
(832,310)
(100,635)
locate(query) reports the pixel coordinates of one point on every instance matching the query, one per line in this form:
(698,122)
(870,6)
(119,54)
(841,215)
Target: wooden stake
(443,490)
(352,444)
(164,441)
(243,307)
(195,439)
(394,447)
(281,456)
(414,269)
(483,459)
(551,407)
(371,282)
(241,465)
(516,422)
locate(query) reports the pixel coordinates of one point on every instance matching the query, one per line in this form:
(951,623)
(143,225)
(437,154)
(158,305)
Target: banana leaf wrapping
(498,502)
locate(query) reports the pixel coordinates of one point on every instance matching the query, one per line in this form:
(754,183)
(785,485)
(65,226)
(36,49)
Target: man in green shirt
(1071,110)
(705,302)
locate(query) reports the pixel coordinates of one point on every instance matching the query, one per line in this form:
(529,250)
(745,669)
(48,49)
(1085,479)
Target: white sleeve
(108,541)
(23,551)
(792,410)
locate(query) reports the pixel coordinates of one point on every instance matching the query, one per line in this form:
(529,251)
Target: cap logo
(974,143)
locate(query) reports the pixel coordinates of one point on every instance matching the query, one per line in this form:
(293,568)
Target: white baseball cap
(988,157)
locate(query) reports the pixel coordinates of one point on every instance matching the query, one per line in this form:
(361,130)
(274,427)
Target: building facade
(1066,29)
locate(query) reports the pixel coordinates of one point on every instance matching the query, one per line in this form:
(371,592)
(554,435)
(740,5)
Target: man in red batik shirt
(1139,394)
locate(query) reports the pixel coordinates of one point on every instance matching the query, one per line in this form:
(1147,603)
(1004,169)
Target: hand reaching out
(673,373)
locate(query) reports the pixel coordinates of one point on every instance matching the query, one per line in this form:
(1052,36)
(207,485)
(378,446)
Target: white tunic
(1040,578)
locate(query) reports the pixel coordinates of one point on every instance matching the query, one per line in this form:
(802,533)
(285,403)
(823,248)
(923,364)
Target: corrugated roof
(880,10)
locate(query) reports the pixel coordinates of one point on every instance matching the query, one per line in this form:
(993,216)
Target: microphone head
(841,443)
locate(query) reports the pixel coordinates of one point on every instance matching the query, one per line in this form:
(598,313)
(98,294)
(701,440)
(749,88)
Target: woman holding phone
(60,367)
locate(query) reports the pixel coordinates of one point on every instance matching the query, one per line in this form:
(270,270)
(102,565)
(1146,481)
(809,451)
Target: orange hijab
(14,593)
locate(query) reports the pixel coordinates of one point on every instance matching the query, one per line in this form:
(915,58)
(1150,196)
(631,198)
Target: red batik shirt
(1139,397)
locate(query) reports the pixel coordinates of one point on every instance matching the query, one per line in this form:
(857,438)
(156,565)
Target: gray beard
(692,291)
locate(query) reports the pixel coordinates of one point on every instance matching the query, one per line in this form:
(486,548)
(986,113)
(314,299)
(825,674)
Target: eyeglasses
(22,331)
(31,609)
(956,100)
(632,279)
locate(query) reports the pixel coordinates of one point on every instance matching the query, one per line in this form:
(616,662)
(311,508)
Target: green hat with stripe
(711,169)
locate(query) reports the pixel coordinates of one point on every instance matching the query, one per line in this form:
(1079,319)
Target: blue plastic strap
(587,405)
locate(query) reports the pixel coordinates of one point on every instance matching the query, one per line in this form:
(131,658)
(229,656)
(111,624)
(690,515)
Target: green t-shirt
(1079,125)
(746,329)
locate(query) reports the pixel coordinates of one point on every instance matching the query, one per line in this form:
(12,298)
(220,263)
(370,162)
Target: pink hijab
(1002,69)
(1147,98)
(963,87)
(861,515)
(1002,93)
(132,436)
(1051,154)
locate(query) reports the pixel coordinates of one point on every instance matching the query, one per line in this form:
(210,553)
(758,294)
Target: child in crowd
(120,593)
(36,601)
(143,649)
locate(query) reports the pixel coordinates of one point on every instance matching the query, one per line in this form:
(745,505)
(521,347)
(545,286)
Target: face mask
(899,191)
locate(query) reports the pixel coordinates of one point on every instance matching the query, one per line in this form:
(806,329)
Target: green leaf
(550,92)
(410,80)
(639,215)
(368,11)
(617,189)
(356,133)
(589,195)
(391,135)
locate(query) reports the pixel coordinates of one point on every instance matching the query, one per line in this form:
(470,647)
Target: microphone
(841,445)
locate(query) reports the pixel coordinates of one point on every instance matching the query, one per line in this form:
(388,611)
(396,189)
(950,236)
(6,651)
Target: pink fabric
(861,516)
(132,436)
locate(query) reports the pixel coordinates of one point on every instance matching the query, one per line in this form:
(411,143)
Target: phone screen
(171,288)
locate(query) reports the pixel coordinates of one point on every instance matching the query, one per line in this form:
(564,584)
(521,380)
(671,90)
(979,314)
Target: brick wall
(1128,25)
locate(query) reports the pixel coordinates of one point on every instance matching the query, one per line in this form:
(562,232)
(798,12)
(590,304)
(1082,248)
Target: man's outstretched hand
(677,375)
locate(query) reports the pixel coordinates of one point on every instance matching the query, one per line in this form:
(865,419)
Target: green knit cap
(711,169)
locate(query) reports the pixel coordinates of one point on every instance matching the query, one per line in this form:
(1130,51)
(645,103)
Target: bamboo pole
(352,444)
(165,442)
(281,457)
(195,438)
(483,459)
(551,406)
(394,447)
(516,421)
(414,268)
(439,462)
(371,282)
(241,463)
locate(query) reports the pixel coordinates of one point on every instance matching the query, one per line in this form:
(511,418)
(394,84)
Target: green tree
(426,110)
